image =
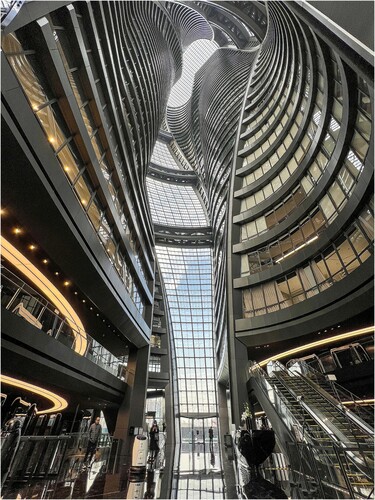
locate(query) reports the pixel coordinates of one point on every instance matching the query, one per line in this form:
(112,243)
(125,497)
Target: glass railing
(327,471)
(342,395)
(58,458)
(21,299)
(344,467)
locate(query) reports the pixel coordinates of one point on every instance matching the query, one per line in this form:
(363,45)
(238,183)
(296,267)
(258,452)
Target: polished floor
(82,482)
(198,475)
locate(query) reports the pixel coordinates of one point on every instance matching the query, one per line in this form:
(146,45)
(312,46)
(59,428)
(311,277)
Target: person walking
(94,436)
(211,437)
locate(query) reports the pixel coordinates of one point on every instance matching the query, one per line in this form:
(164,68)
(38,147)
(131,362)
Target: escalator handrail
(308,434)
(342,408)
(337,388)
(350,418)
(260,373)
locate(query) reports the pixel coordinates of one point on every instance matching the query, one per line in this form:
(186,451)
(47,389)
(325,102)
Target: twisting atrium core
(187,249)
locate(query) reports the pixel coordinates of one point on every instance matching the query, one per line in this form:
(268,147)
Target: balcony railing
(19,298)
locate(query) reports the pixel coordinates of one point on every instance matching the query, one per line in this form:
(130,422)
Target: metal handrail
(340,393)
(331,448)
(44,316)
(334,409)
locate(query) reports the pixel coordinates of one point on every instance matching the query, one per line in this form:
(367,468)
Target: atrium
(187,222)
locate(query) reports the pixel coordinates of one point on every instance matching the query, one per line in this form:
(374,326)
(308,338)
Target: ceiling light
(17,230)
(67,283)
(318,343)
(45,261)
(362,402)
(32,247)
(59,403)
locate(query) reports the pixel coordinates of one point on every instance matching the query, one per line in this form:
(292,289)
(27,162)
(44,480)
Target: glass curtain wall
(187,276)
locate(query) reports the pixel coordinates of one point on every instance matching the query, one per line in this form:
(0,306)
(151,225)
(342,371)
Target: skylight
(175,205)
(194,58)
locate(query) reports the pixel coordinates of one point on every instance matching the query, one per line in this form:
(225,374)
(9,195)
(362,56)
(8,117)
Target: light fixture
(45,261)
(2,211)
(297,248)
(32,247)
(361,402)
(84,202)
(25,403)
(28,269)
(318,343)
(66,169)
(66,283)
(52,140)
(17,230)
(57,273)
(59,403)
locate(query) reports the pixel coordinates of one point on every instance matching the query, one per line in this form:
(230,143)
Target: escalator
(330,448)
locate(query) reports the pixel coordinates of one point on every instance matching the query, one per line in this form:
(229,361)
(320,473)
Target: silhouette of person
(94,436)
(154,439)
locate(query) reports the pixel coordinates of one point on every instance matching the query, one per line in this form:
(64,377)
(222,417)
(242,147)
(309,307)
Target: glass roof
(193,59)
(163,156)
(175,204)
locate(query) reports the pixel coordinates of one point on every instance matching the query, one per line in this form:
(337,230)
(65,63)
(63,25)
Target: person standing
(154,440)
(211,434)
(94,436)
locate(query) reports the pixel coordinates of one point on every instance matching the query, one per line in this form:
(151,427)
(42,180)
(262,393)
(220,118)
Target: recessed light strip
(59,403)
(318,343)
(296,249)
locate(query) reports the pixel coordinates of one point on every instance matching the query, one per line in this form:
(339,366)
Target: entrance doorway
(198,451)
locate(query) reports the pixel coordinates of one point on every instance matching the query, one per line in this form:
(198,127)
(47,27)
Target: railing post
(343,471)
(17,292)
(59,329)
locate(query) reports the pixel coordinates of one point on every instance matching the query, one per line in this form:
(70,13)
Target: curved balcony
(21,299)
